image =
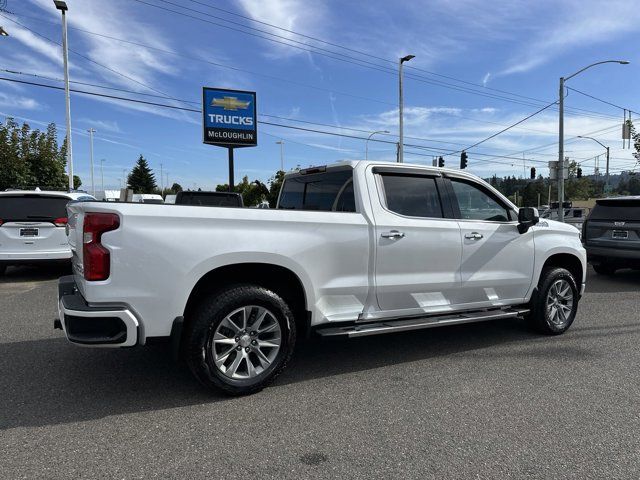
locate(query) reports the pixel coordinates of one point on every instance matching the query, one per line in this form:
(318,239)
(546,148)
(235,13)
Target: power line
(386,60)
(507,128)
(262,114)
(340,57)
(601,100)
(324,132)
(386,70)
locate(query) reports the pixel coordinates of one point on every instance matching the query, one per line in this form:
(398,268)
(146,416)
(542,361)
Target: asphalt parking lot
(490,400)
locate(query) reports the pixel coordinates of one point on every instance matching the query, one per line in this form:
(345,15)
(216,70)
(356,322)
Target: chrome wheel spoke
(264,361)
(559,302)
(246,342)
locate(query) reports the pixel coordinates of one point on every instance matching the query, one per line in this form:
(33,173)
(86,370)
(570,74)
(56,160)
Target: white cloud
(139,63)
(294,15)
(575,24)
(21,103)
(102,125)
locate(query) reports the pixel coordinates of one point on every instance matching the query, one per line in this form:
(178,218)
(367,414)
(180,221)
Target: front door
(418,250)
(497,261)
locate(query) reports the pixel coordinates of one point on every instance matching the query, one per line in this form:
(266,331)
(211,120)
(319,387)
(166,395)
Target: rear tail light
(96,258)
(1,221)
(60,222)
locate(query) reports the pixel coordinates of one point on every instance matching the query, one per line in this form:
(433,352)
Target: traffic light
(463,160)
(533,173)
(441,162)
(579,172)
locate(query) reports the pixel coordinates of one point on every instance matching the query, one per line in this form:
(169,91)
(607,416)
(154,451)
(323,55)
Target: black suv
(611,234)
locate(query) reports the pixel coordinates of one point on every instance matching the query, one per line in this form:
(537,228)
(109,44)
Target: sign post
(229,119)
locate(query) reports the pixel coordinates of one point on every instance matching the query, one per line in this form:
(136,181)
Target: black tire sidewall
(548,278)
(208,316)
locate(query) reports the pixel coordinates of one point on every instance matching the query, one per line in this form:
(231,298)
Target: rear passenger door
(418,249)
(497,260)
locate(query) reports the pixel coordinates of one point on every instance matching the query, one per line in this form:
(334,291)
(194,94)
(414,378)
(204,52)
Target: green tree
(141,179)
(275,184)
(76,182)
(31,158)
(252,192)
(176,187)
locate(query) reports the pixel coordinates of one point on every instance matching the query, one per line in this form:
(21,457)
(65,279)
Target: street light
(93,185)
(366,143)
(561,133)
(281,143)
(3,32)
(62,6)
(606,182)
(401,107)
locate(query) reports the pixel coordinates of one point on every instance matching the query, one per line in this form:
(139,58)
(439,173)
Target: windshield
(32,208)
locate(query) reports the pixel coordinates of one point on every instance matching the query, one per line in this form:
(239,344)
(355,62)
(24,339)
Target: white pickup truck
(353,249)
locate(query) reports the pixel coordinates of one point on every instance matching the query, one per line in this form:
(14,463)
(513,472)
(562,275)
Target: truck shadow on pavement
(48,382)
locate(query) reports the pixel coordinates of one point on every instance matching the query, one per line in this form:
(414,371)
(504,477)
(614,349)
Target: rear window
(616,210)
(326,192)
(33,208)
(209,199)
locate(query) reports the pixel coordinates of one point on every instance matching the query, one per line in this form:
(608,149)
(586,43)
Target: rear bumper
(95,326)
(25,257)
(597,254)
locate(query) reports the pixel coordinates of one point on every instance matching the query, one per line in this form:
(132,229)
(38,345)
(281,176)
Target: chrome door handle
(392,234)
(473,236)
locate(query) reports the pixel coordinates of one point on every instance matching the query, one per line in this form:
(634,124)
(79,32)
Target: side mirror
(527,218)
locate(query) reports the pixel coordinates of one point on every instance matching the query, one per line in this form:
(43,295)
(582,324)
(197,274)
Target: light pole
(102,160)
(561,133)
(161,181)
(401,107)
(281,143)
(125,181)
(62,6)
(93,185)
(3,32)
(366,143)
(606,183)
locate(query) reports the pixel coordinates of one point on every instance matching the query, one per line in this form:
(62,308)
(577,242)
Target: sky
(479,67)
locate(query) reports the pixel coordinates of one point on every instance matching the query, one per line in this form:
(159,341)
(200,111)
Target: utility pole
(124,178)
(161,181)
(93,185)
(62,6)
(561,153)
(102,174)
(401,108)
(281,143)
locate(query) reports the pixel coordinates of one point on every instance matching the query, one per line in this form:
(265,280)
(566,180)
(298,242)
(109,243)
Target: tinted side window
(413,196)
(476,204)
(318,191)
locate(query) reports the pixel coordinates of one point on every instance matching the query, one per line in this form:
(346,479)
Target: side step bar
(402,325)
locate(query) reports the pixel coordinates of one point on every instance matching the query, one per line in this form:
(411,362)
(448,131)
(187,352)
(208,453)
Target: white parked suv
(32,226)
(352,249)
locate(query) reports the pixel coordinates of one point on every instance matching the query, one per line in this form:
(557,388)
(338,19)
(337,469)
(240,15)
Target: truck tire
(601,269)
(240,339)
(554,307)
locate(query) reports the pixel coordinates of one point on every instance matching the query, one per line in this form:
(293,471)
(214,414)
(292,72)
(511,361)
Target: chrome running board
(402,325)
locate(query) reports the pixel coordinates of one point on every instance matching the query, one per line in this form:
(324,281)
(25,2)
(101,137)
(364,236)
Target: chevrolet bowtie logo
(229,103)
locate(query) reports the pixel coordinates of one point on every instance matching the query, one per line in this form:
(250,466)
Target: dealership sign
(229,117)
